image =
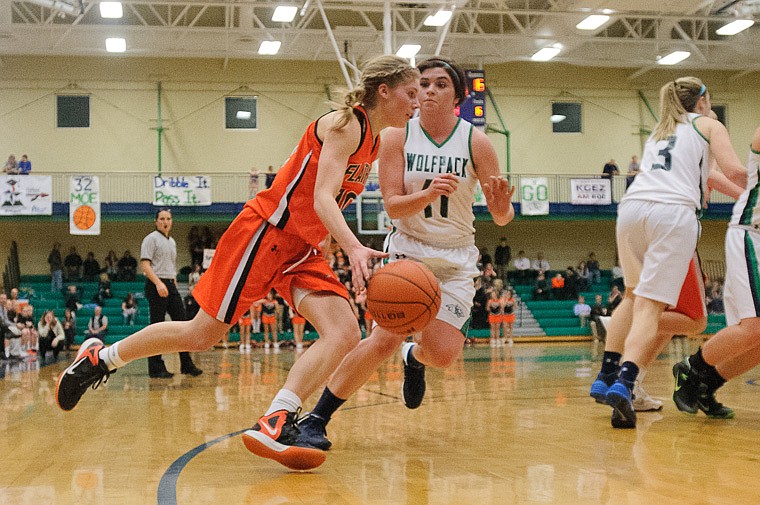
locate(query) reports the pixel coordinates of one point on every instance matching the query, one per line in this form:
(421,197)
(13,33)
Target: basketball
(84,217)
(403,296)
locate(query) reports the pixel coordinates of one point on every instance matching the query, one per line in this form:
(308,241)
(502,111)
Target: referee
(158,259)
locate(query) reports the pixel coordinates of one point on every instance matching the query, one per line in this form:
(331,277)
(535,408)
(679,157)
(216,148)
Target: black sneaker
(193,372)
(313,432)
(686,394)
(276,437)
(87,370)
(413,389)
(712,407)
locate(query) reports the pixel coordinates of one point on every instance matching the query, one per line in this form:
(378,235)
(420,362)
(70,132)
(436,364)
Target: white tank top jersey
(448,221)
(673,170)
(746,212)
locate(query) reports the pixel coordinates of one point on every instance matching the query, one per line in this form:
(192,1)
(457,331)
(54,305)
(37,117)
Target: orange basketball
(403,296)
(84,217)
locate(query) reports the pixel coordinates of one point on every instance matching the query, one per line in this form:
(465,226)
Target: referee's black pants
(159,307)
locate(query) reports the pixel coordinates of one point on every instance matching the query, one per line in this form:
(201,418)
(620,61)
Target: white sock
(110,356)
(285,400)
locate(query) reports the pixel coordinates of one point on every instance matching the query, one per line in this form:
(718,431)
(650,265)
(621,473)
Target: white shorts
(656,242)
(455,270)
(741,292)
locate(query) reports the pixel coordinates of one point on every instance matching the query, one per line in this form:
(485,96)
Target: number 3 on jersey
(665,153)
(444,202)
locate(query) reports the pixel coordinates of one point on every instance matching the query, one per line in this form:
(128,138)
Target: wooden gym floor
(503,426)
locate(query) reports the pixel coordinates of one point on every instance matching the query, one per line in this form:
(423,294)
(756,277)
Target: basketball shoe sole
(291,456)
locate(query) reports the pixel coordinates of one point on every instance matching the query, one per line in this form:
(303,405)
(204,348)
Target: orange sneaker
(275,437)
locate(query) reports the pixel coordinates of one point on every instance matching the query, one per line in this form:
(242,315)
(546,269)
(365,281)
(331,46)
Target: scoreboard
(473,109)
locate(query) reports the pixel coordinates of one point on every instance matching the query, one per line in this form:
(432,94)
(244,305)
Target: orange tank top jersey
(289,203)
(273,243)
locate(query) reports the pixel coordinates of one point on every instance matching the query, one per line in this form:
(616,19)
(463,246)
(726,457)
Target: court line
(167,487)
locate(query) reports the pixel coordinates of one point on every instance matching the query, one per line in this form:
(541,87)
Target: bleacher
(37,289)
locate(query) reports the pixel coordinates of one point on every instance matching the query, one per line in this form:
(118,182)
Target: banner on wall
(84,205)
(26,195)
(534,196)
(181,190)
(590,192)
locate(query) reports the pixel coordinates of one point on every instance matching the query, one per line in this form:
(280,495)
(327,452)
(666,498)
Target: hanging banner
(26,195)
(84,205)
(181,190)
(534,196)
(590,192)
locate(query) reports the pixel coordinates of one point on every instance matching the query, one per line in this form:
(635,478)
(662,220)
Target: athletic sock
(327,405)
(628,373)
(708,374)
(284,400)
(611,365)
(110,356)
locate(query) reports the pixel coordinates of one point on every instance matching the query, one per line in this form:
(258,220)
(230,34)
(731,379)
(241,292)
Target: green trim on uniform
(469,146)
(386,244)
(750,256)
(697,129)
(436,144)
(466,327)
(752,150)
(749,206)
(406,135)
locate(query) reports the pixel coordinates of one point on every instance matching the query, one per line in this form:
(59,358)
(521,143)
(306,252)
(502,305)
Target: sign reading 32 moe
(181,190)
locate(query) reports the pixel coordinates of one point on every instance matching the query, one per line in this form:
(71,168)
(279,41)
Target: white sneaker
(299,347)
(242,348)
(266,345)
(642,402)
(493,342)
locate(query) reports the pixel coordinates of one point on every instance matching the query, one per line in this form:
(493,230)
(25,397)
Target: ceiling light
(408,50)
(269,47)
(111,10)
(735,27)
(547,53)
(243,114)
(440,18)
(557,118)
(116,45)
(592,22)
(284,13)
(673,58)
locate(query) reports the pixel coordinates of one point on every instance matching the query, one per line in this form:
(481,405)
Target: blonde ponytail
(388,70)
(677,99)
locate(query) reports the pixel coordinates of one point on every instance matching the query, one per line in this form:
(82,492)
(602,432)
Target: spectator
(69,326)
(558,287)
(194,276)
(714,299)
(56,268)
(5,323)
(191,306)
(11,166)
(72,299)
(541,288)
(522,267)
(73,264)
(479,309)
(540,264)
(571,283)
(502,255)
(633,170)
(617,276)
(495,317)
(104,290)
(610,169)
(595,275)
(129,309)
(97,327)
(111,265)
(613,300)
(488,275)
(269,177)
(127,266)
(90,267)
(582,311)
(584,277)
(484,258)
(598,311)
(25,329)
(196,246)
(24,165)
(51,335)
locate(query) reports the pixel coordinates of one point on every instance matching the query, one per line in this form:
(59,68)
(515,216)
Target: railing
(235,187)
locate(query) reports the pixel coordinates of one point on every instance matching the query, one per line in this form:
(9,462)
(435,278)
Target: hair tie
(702,90)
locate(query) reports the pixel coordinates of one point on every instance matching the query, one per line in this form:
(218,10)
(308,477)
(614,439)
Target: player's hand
(498,193)
(443,185)
(163,291)
(360,271)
